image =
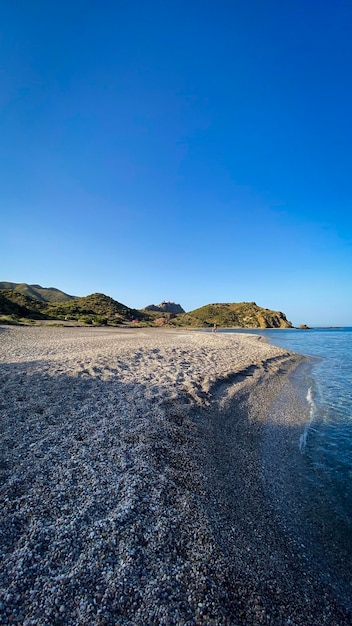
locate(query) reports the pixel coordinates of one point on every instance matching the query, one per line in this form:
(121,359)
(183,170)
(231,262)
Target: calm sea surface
(327,440)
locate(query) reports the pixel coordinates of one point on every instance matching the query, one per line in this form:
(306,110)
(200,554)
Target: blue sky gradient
(193,151)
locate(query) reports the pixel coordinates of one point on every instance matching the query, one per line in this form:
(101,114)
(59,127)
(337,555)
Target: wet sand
(143,479)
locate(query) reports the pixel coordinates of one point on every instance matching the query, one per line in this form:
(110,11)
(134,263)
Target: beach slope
(136,485)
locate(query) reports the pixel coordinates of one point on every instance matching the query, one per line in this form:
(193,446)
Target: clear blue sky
(187,150)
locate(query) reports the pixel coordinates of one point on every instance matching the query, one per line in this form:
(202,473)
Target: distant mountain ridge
(44,294)
(33,302)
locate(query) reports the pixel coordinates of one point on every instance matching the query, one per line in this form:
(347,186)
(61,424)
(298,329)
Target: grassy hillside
(241,315)
(17,304)
(32,302)
(97,305)
(94,309)
(43,294)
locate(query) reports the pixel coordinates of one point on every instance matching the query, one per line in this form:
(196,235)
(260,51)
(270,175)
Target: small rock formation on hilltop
(166,307)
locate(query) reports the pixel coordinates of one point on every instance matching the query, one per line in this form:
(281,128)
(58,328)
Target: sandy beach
(152,477)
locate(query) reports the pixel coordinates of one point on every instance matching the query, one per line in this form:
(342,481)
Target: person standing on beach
(215,328)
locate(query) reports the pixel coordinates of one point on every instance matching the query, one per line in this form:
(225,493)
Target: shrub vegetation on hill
(97,304)
(44,294)
(100,309)
(234,315)
(15,303)
(94,309)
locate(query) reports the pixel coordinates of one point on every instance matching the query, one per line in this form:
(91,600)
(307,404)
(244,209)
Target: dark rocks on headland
(166,307)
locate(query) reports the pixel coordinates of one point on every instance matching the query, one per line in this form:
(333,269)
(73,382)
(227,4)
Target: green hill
(234,315)
(94,309)
(44,294)
(33,302)
(17,304)
(96,305)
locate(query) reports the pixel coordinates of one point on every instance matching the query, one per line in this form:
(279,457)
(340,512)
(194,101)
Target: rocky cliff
(166,307)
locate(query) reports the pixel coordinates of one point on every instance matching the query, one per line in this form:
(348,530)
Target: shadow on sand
(124,508)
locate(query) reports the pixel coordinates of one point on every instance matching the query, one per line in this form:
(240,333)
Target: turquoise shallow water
(314,490)
(327,440)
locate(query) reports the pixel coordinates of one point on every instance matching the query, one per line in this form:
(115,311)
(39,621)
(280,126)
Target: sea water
(326,440)
(317,501)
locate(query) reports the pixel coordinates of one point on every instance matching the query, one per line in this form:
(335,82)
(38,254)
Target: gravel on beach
(142,481)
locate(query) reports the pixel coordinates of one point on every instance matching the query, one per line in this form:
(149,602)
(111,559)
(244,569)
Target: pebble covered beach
(136,482)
